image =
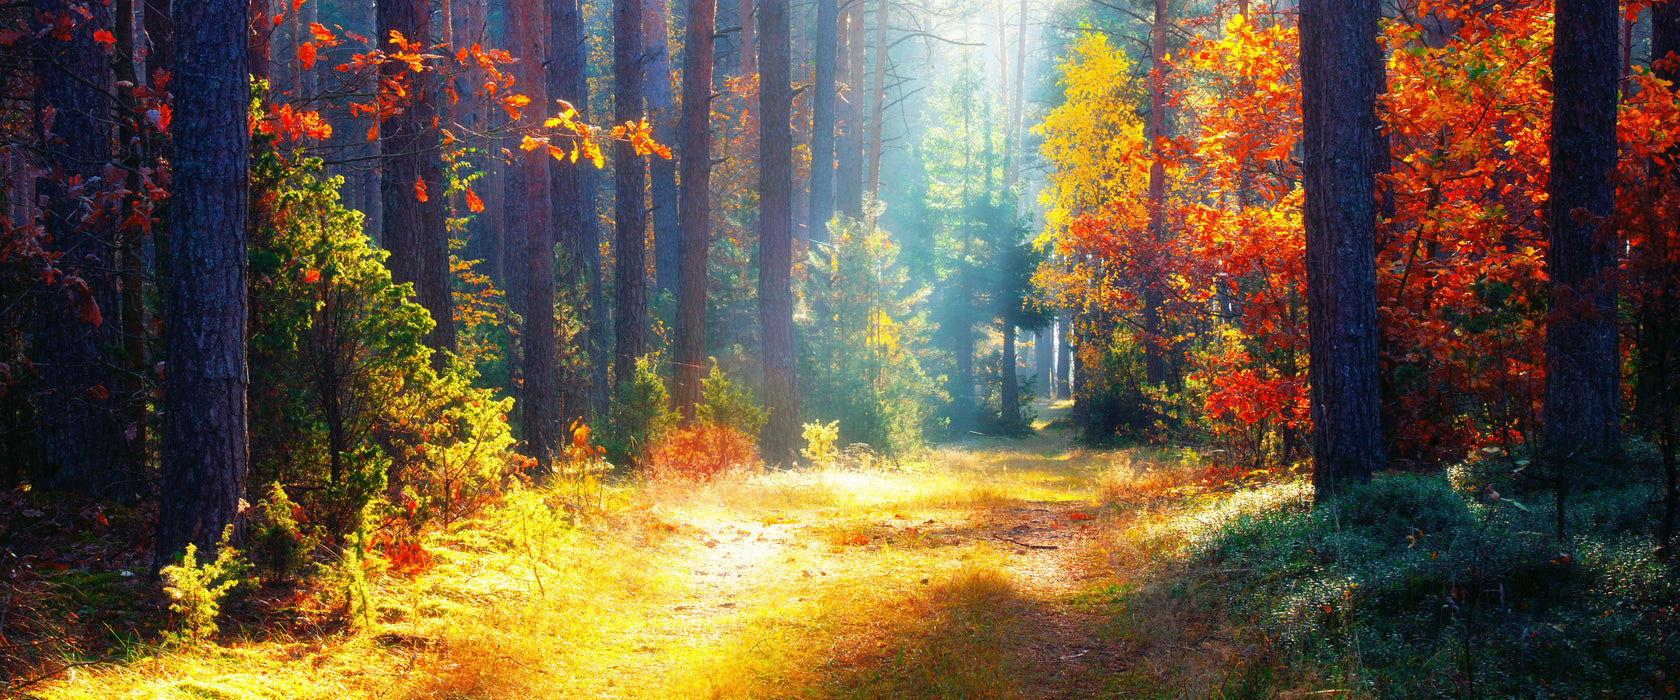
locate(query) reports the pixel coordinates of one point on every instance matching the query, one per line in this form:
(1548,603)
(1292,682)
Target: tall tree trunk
(1009,397)
(1579,414)
(822,120)
(204,437)
(848,175)
(1062,377)
(690,343)
(573,195)
(531,229)
(877,96)
(411,185)
(1154,365)
(1338,105)
(1658,388)
(775,236)
(261,32)
(662,172)
(80,422)
(629,186)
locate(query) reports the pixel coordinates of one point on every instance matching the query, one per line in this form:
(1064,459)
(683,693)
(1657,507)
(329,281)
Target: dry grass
(878,582)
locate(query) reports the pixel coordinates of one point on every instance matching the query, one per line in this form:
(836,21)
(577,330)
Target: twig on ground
(1024,544)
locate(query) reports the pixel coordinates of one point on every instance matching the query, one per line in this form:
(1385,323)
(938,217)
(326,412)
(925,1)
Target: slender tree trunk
(1154,364)
(822,120)
(629,186)
(775,237)
(80,419)
(204,436)
(877,97)
(1579,413)
(1338,105)
(1659,377)
(531,229)
(411,186)
(848,176)
(573,195)
(1044,360)
(1063,376)
(690,344)
(1009,397)
(662,172)
(257,60)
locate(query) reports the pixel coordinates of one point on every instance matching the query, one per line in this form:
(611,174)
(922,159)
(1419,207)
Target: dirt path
(866,552)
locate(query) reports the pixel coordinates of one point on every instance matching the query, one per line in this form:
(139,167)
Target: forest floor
(982,572)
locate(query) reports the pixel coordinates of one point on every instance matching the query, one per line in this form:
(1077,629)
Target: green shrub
(641,415)
(197,590)
(820,439)
(278,542)
(727,403)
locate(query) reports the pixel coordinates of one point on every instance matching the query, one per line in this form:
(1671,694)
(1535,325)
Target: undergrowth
(1412,586)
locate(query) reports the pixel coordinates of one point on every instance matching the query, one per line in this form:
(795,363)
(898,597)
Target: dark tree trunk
(1063,375)
(531,228)
(877,103)
(79,407)
(1579,414)
(573,195)
(1009,396)
(262,32)
(1044,355)
(1154,364)
(822,120)
(775,234)
(690,344)
(204,438)
(1338,107)
(848,174)
(1659,376)
(629,186)
(413,229)
(662,172)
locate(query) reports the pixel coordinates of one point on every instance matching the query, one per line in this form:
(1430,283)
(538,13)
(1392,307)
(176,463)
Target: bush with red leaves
(703,452)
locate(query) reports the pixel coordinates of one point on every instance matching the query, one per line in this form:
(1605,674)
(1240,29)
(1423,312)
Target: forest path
(962,579)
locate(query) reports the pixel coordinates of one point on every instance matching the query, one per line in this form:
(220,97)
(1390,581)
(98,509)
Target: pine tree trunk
(80,439)
(1659,377)
(1063,375)
(877,97)
(204,438)
(848,175)
(531,229)
(662,172)
(411,186)
(1044,356)
(629,186)
(1339,91)
(573,195)
(1009,397)
(822,120)
(1579,412)
(775,238)
(690,343)
(1154,365)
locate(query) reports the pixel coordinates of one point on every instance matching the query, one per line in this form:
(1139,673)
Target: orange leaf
(473,202)
(420,190)
(104,37)
(321,34)
(306,55)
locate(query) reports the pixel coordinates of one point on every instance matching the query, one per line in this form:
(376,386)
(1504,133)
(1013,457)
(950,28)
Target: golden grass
(873,582)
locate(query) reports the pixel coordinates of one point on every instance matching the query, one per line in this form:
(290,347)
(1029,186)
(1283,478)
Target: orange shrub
(703,452)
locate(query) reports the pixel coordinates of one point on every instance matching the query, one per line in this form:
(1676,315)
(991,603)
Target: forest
(839,349)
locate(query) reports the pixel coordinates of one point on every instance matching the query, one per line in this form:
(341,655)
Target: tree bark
(629,186)
(1579,414)
(1338,106)
(848,176)
(411,184)
(1044,359)
(204,437)
(531,229)
(1154,365)
(822,120)
(1063,376)
(79,408)
(1009,397)
(662,172)
(775,237)
(573,197)
(689,352)
(877,96)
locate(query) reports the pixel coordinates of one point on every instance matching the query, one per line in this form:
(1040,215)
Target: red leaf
(104,37)
(420,190)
